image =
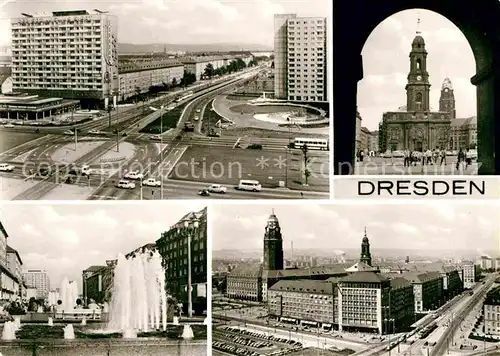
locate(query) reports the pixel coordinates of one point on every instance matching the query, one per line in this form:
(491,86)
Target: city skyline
(444,227)
(171,21)
(86,235)
(386,64)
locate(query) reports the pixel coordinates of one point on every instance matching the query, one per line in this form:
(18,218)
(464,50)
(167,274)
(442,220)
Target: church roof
(404,108)
(360,267)
(464,121)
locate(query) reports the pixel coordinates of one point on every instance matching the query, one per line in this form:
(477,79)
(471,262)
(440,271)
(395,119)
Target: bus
(311,143)
(185,96)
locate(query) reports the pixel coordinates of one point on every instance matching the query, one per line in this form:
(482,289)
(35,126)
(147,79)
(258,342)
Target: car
(198,111)
(196,118)
(68,132)
(155,137)
(8,126)
(4,167)
(204,193)
(134,175)
(217,188)
(151,182)
(94,132)
(125,184)
(45,172)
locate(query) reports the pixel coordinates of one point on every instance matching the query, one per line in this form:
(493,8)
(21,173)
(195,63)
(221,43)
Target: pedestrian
(460,158)
(468,159)
(443,156)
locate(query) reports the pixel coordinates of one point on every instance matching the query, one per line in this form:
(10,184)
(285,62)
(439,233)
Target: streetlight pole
(161,153)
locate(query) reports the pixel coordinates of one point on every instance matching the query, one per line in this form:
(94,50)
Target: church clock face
(419,77)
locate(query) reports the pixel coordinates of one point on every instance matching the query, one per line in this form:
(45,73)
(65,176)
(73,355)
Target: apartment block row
(74,55)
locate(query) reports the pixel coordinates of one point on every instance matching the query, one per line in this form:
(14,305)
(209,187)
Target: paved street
(387,166)
(184,162)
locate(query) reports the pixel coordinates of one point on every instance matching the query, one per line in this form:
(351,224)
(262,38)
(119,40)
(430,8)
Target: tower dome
(365,238)
(447,84)
(418,40)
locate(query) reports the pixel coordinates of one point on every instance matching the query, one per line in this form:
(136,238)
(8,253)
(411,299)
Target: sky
(179,21)
(440,226)
(386,65)
(66,239)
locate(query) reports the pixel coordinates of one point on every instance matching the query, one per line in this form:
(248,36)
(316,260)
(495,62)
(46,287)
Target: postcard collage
(249,178)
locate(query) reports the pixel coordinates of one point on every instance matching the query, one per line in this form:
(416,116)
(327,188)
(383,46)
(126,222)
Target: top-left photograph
(155,100)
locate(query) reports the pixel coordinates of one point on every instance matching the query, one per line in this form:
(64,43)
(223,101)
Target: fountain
(69,294)
(139,299)
(187,332)
(176,320)
(84,321)
(69,332)
(50,322)
(9,331)
(17,322)
(129,334)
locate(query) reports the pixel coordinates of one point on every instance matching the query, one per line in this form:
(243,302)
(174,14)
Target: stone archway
(354,21)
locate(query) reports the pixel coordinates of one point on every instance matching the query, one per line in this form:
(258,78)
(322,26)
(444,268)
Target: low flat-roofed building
(33,107)
(306,302)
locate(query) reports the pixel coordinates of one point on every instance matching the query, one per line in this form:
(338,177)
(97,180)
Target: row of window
(305,98)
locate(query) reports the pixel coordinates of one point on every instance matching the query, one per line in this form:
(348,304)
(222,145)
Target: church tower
(273,245)
(418,87)
(447,99)
(366,256)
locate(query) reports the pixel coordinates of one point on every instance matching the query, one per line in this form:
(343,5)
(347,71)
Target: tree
(209,71)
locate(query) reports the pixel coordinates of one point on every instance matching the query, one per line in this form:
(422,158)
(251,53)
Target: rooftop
(364,277)
(308,272)
(304,286)
(252,270)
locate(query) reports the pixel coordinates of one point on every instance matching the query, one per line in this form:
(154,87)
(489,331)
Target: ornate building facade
(416,127)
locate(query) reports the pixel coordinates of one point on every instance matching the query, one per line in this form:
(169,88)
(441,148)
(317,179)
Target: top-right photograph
(415,89)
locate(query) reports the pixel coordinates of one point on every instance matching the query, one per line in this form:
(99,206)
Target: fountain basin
(114,347)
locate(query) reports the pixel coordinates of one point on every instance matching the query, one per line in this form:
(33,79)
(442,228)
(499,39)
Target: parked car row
(232,349)
(261,336)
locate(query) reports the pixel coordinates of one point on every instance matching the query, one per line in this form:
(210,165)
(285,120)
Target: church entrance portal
(477,21)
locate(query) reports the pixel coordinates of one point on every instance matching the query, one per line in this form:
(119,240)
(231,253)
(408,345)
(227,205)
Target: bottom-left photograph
(103,279)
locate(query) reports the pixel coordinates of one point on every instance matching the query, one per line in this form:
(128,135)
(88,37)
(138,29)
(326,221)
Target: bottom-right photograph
(361,279)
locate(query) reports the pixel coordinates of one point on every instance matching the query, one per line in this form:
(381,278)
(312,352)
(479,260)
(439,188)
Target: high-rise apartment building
(300,70)
(39,279)
(68,54)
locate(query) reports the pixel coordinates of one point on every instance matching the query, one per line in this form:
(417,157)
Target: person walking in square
(443,157)
(460,158)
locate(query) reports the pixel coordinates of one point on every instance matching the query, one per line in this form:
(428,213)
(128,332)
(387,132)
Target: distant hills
(209,47)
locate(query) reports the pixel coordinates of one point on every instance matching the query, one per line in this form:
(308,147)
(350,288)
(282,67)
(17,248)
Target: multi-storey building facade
(468,274)
(98,283)
(245,282)
(68,54)
(371,302)
(137,77)
(427,289)
(486,262)
(300,71)
(14,265)
(173,247)
(3,245)
(304,301)
(38,279)
(491,307)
